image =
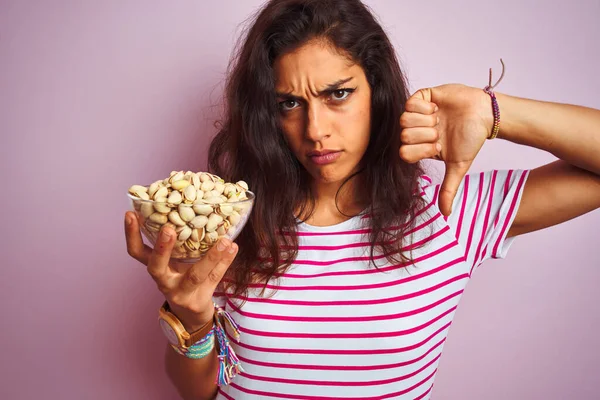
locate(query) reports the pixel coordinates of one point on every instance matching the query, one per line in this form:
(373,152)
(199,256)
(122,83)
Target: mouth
(324,156)
(317,153)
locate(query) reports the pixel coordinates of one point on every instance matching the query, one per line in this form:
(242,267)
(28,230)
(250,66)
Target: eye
(288,105)
(341,94)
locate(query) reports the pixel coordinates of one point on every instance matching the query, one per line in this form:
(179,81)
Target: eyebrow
(329,88)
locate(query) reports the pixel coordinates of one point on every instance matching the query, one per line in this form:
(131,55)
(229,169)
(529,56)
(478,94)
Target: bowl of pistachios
(199,206)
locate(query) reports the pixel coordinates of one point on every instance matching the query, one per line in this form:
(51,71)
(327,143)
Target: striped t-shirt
(337,328)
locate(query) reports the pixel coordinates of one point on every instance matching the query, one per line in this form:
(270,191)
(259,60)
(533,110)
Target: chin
(330,174)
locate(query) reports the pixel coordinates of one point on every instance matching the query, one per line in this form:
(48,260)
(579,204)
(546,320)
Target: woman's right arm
(189,291)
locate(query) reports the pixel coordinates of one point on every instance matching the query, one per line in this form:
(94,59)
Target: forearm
(194,379)
(571,133)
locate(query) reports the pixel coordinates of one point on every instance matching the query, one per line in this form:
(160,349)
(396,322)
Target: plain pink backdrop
(95,96)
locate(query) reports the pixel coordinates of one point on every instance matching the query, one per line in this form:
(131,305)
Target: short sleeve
(483,211)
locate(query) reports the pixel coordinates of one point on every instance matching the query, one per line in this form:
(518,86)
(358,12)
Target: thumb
(453,177)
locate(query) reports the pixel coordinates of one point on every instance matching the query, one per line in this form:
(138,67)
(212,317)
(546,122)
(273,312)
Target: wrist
(508,124)
(192,322)
(486,110)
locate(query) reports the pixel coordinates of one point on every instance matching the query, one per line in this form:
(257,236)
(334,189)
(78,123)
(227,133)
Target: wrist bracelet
(495,108)
(229,364)
(201,348)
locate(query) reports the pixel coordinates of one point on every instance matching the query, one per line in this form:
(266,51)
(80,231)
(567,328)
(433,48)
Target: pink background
(95,96)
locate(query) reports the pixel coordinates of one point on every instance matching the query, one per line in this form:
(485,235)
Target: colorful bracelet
(495,108)
(229,364)
(201,348)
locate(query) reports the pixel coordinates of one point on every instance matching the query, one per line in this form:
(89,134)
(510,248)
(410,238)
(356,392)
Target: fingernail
(128,220)
(438,147)
(436,109)
(231,249)
(165,236)
(438,120)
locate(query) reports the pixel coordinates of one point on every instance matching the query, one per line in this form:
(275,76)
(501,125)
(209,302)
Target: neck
(350,201)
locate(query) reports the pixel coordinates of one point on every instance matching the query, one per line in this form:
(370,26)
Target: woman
(350,269)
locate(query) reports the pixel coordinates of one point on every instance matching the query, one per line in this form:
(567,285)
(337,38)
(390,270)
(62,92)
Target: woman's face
(325,108)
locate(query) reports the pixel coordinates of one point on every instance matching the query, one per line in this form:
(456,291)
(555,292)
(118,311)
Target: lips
(324,157)
(317,153)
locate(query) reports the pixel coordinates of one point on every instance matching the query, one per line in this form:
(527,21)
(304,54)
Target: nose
(316,124)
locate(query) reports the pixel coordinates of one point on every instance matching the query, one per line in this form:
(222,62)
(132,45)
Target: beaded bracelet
(495,108)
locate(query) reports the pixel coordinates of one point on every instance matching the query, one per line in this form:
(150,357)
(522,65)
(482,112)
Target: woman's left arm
(459,118)
(564,189)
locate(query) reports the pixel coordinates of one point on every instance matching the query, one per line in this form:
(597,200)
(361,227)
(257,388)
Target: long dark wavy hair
(251,146)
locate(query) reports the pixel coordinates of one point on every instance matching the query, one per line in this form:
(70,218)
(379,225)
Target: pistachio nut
(160,193)
(176,219)
(186,212)
(161,205)
(205,177)
(228,188)
(153,188)
(180,184)
(213,222)
(196,181)
(207,186)
(242,184)
(189,193)
(140,192)
(152,226)
(177,176)
(225,209)
(213,200)
(184,233)
(197,235)
(234,218)
(158,218)
(134,189)
(190,245)
(219,187)
(198,222)
(201,208)
(147,209)
(174,198)
(201,234)
(211,237)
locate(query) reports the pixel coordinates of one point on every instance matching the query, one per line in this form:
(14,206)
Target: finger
(211,268)
(419,135)
(414,120)
(158,264)
(452,179)
(416,152)
(423,94)
(421,106)
(135,245)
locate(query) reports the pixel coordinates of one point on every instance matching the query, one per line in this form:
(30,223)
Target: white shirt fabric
(337,328)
